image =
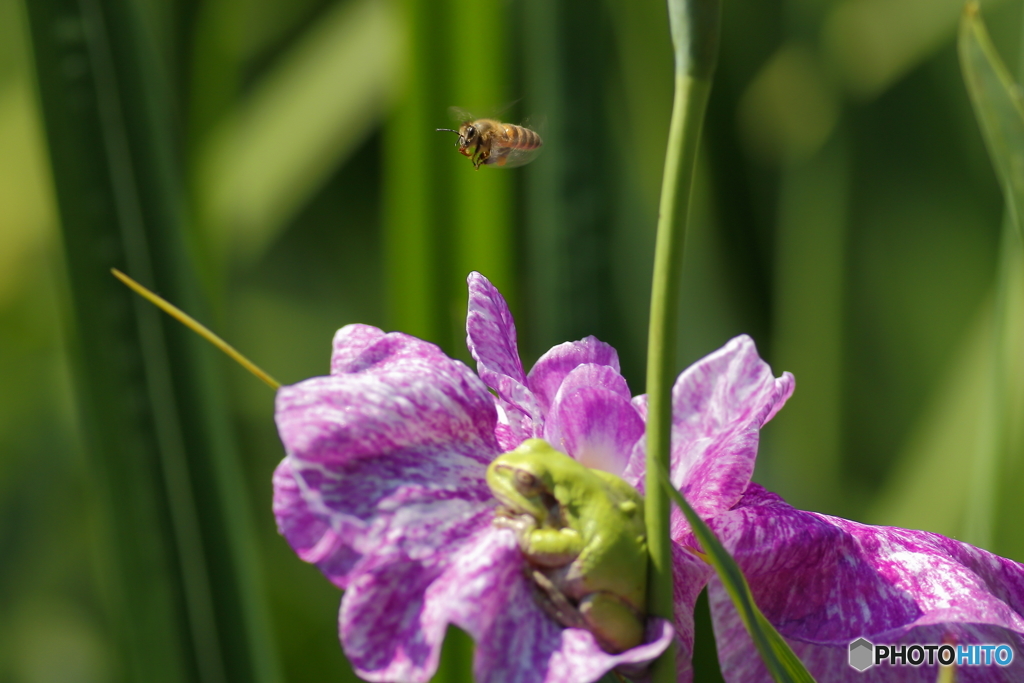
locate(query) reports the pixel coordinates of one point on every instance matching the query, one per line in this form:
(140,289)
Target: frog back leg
(614,555)
(615,624)
(618,567)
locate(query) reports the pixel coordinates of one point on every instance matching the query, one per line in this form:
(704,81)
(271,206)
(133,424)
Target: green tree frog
(582,533)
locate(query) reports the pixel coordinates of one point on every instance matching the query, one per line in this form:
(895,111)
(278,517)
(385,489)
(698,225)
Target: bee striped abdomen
(518,137)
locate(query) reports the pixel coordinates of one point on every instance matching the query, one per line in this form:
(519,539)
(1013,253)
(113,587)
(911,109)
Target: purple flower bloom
(383,489)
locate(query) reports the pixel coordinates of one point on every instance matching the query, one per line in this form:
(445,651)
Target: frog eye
(526,483)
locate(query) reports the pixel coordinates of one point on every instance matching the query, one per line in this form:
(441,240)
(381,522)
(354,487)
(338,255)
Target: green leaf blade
(779,659)
(998,105)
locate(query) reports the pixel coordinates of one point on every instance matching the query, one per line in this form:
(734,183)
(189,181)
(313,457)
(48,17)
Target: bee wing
(513,157)
(538,124)
(460,115)
(504,108)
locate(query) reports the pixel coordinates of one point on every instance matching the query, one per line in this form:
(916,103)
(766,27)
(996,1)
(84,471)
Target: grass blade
(999,108)
(181,573)
(273,150)
(482,202)
(998,105)
(414,214)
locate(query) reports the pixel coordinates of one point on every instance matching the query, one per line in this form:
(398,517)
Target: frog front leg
(543,546)
(549,547)
(520,524)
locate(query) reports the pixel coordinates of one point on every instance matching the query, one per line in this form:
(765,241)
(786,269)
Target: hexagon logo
(861,654)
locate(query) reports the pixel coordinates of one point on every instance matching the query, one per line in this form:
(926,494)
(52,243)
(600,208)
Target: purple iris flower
(383,489)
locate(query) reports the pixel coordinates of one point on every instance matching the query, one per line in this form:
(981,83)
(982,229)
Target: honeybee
(491,142)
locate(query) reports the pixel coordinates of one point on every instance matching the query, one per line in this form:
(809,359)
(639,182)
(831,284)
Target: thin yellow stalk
(197,327)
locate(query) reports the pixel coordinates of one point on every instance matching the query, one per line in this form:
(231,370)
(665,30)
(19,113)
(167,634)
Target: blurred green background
(846,216)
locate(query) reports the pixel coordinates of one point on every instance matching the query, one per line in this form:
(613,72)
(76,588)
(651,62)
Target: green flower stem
(690,100)
(695,36)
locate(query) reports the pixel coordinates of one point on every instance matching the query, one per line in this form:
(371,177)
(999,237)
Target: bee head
(468,136)
(469,143)
(462,138)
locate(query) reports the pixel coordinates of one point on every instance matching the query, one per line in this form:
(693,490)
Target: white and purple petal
(593,420)
(487,594)
(405,393)
(491,334)
(823,582)
(348,343)
(719,405)
(397,609)
(310,535)
(394,618)
(551,369)
(491,339)
(517,642)
(525,402)
(401,427)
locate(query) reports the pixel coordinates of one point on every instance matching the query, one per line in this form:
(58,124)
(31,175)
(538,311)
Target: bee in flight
(491,142)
